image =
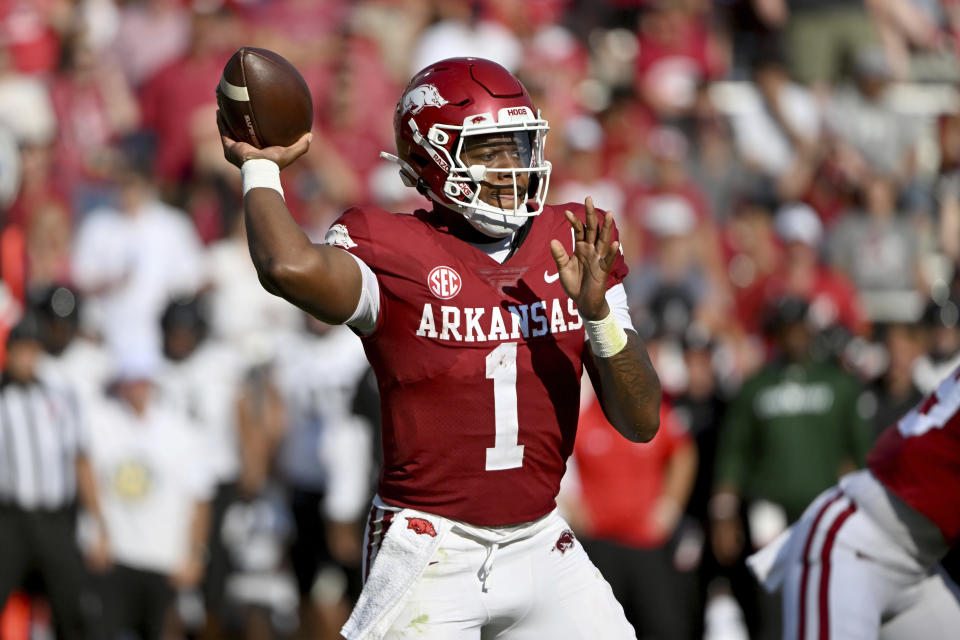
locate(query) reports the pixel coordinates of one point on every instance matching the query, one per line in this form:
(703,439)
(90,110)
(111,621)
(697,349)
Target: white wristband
(260,172)
(606,336)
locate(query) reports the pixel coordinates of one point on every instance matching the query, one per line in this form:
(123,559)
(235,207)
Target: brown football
(263,99)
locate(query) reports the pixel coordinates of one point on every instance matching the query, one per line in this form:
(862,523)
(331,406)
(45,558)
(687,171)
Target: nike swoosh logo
(550,278)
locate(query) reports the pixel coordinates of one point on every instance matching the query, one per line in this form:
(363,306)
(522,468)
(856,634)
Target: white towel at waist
(402,557)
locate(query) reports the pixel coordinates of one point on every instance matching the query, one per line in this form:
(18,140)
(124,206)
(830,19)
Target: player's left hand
(584,274)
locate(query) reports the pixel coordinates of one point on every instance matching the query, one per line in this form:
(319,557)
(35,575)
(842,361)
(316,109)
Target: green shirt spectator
(793,429)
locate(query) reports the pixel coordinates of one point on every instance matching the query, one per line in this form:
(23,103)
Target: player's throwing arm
(322,280)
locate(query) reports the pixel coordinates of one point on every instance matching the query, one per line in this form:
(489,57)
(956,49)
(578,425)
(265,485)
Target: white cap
(669,216)
(798,222)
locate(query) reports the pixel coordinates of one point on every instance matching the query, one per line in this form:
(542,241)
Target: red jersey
(918,458)
(621,482)
(478,365)
(170,101)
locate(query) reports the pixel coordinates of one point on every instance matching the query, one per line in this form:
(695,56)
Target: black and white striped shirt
(41,433)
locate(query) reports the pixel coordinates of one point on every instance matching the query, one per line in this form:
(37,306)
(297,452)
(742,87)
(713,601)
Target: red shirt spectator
(95,106)
(40,184)
(622,483)
(677,53)
(668,149)
(830,294)
(27,30)
(832,297)
(169,101)
(352,115)
(150,36)
(172,98)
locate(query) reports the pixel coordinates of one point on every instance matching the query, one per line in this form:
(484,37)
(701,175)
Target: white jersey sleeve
(617,299)
(364,318)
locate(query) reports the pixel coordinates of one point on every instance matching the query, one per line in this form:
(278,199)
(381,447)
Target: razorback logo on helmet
(478,119)
(564,542)
(424,95)
(444,282)
(421,527)
(338,236)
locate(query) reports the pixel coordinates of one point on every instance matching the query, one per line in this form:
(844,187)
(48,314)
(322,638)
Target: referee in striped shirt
(43,468)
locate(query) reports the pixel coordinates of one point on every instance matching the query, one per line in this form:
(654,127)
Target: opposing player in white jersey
(478,316)
(862,562)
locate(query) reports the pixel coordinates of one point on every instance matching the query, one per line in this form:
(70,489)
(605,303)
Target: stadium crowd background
(754,153)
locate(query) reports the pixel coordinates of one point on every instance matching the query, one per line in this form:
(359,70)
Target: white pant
(541,586)
(846,579)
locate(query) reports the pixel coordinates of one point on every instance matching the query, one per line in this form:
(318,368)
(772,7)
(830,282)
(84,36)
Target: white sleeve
(364,318)
(617,299)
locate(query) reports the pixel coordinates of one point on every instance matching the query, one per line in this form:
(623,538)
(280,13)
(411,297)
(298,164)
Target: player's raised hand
(584,274)
(239,152)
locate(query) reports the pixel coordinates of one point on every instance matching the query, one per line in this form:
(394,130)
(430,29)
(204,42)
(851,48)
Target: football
(263,99)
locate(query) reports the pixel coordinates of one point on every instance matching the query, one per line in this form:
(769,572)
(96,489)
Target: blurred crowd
(785,175)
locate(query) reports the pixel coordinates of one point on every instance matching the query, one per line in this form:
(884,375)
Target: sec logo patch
(444,282)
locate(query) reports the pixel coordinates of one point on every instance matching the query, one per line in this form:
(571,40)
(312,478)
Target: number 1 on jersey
(502,369)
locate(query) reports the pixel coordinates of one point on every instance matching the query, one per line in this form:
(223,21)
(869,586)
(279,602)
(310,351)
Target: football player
(862,561)
(478,315)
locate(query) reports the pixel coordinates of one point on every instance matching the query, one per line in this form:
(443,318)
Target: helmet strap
(422,187)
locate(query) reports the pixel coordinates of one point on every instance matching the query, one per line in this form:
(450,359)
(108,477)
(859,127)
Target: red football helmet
(450,101)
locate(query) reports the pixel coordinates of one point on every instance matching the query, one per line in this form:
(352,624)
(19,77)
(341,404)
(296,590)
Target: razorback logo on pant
(564,542)
(421,526)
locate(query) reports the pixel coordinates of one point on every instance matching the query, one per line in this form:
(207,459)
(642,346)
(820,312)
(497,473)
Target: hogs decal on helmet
(425,95)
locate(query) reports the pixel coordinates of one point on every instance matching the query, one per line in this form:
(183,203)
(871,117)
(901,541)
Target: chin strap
(519,236)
